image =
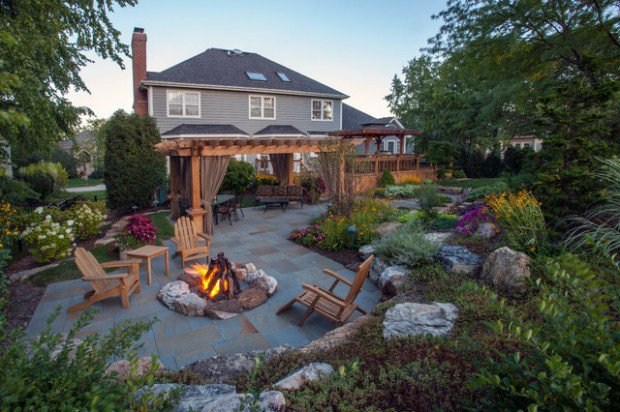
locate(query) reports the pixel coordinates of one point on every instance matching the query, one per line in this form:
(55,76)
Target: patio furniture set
(191,245)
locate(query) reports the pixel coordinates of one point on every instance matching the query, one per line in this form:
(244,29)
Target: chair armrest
(120,263)
(324,295)
(107,277)
(337,276)
(205,236)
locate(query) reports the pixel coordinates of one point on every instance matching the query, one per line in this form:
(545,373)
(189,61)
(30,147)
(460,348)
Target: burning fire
(206,276)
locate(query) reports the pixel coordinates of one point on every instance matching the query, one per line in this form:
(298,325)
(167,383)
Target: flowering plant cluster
(88,217)
(48,240)
(313,187)
(404,191)
(263,179)
(471,220)
(309,236)
(141,227)
(7,226)
(521,216)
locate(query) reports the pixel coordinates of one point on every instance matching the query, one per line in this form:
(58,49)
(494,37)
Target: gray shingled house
(235,93)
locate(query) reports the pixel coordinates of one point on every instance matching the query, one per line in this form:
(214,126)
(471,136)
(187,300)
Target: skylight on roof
(256,76)
(283,77)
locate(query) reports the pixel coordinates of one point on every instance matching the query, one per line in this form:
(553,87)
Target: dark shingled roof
(353,119)
(205,129)
(274,130)
(225,68)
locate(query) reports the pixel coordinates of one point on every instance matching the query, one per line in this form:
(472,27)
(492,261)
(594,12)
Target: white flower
(41,237)
(74,245)
(70,222)
(68,230)
(61,237)
(48,217)
(39,210)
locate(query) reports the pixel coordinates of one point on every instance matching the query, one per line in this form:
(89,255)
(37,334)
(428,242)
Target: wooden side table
(149,252)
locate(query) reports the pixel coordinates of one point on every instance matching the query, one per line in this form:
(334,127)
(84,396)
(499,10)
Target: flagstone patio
(261,238)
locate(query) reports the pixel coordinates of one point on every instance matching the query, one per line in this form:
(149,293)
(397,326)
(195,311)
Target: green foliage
(482,192)
(43,47)
(15,191)
(441,152)
(48,240)
(400,191)
(67,270)
(44,177)
(51,372)
(429,199)
(406,246)
(600,227)
(133,170)
(571,358)
(516,159)
(386,179)
(239,176)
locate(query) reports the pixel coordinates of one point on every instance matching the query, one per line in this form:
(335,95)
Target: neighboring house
(82,147)
(527,141)
(354,119)
(238,94)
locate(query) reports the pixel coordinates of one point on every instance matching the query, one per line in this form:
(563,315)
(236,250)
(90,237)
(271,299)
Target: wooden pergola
(195,149)
(378,134)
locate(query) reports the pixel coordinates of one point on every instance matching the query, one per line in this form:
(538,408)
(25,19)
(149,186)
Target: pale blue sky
(354,46)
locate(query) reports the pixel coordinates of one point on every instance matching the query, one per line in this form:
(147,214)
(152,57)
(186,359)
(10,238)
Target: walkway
(260,237)
(80,189)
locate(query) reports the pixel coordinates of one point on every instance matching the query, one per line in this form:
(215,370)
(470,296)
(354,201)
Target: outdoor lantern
(351,232)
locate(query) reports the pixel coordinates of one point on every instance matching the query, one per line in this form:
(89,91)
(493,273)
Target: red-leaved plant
(141,227)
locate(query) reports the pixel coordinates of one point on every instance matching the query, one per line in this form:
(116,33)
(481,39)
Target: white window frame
(322,119)
(183,93)
(262,107)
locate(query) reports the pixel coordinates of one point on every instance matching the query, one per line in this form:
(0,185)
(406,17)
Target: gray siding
(224,107)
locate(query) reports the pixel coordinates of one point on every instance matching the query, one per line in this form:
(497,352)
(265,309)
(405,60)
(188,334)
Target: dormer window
(283,77)
(322,110)
(183,104)
(256,76)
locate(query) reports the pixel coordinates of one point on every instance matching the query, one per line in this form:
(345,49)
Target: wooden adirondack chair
(326,303)
(105,285)
(188,239)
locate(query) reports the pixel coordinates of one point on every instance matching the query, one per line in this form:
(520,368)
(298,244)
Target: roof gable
(226,68)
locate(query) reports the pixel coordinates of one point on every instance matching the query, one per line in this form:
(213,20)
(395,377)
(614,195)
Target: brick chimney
(138,51)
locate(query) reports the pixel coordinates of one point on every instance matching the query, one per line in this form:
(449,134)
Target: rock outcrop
(410,319)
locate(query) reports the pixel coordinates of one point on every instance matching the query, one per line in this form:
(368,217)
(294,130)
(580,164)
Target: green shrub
(133,169)
(444,222)
(403,191)
(429,199)
(481,192)
(406,246)
(44,177)
(48,241)
(97,174)
(16,191)
(41,182)
(88,216)
(386,179)
(74,377)
(239,176)
(570,358)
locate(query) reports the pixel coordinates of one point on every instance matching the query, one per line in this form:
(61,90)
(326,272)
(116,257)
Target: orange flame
(205,278)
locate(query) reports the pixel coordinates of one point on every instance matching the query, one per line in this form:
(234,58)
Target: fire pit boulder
(216,290)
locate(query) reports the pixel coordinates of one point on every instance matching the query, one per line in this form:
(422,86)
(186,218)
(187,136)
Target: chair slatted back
(185,232)
(358,282)
(90,267)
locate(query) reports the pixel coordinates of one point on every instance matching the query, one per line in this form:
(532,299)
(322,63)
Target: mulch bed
(347,258)
(23,301)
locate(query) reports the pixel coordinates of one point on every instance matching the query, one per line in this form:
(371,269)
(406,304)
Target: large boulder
(507,269)
(262,280)
(458,259)
(313,372)
(171,292)
(376,269)
(190,305)
(438,238)
(337,336)
(251,298)
(223,309)
(122,368)
(365,251)
(410,319)
(486,230)
(392,279)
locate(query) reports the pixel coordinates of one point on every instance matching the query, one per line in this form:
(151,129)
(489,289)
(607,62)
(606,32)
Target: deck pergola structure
(207,158)
(378,134)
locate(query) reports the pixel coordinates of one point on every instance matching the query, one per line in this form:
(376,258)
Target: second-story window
(183,104)
(322,110)
(262,107)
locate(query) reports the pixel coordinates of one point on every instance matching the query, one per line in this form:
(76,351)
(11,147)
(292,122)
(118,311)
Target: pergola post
(402,144)
(173,190)
(290,162)
(196,212)
(367,146)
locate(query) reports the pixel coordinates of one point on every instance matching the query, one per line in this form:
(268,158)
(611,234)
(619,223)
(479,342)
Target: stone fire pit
(185,296)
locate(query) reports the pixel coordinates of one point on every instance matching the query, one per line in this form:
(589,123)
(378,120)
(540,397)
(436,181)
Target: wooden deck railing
(375,165)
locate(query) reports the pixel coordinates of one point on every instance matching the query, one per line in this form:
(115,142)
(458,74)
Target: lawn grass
(82,183)
(67,270)
(99,195)
(471,183)
(165,230)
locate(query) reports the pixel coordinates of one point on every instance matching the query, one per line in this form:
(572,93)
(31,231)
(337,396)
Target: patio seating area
(179,340)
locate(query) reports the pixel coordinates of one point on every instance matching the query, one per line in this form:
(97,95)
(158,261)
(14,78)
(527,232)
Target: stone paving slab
(179,340)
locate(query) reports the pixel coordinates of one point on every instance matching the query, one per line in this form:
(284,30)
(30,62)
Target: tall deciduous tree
(43,46)
(133,170)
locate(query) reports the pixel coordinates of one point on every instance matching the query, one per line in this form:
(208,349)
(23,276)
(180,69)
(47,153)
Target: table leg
(166,263)
(148,270)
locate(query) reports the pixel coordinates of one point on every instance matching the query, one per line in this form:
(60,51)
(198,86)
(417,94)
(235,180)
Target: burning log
(218,280)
